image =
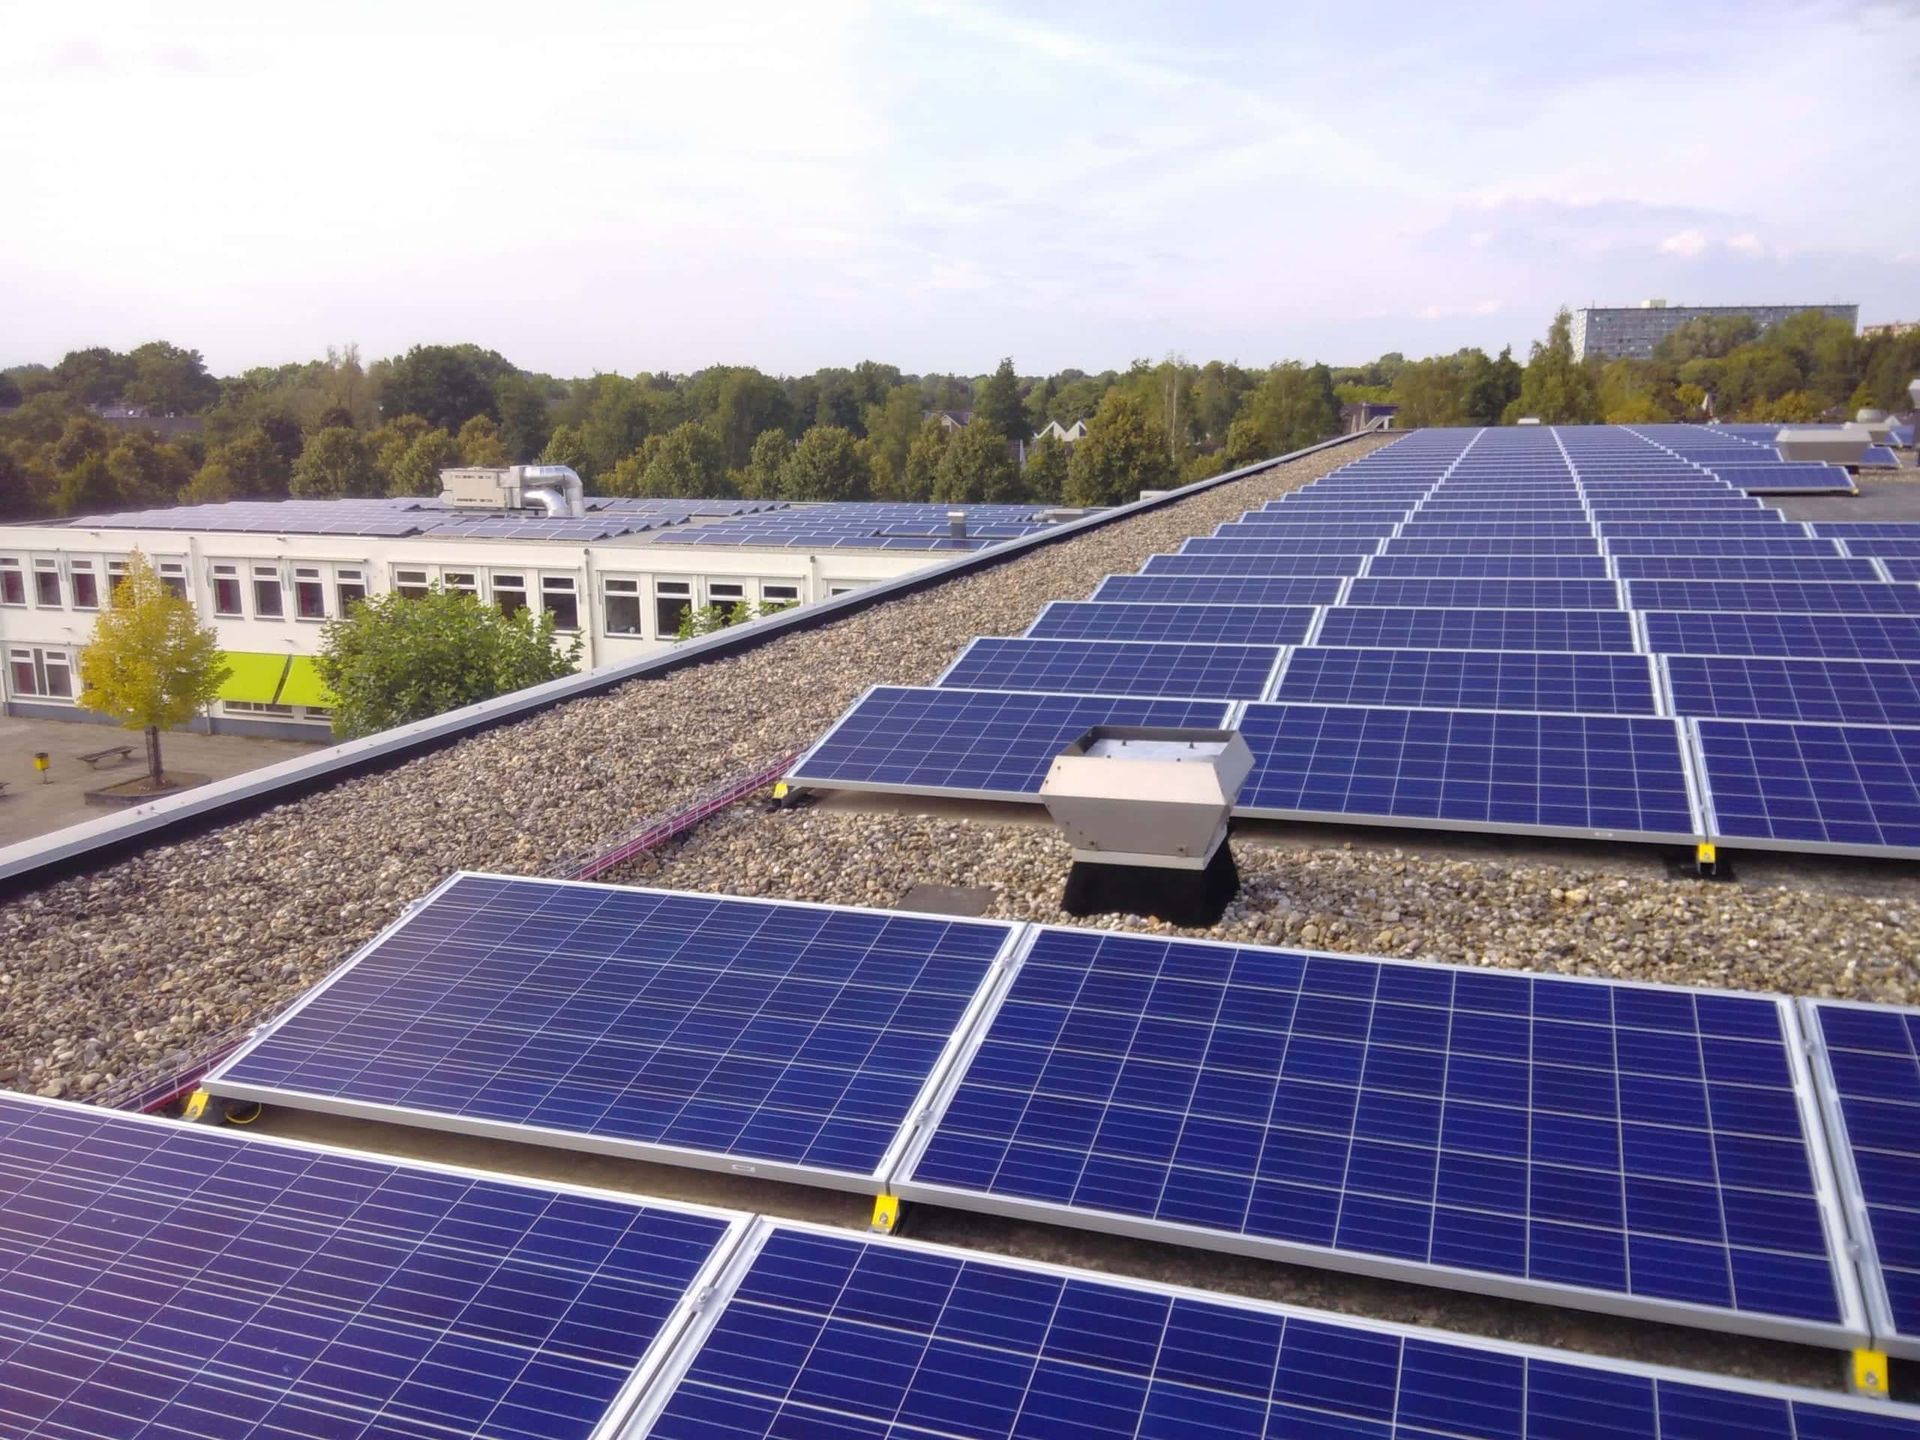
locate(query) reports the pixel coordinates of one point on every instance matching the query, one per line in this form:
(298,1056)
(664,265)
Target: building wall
(1634,331)
(42,633)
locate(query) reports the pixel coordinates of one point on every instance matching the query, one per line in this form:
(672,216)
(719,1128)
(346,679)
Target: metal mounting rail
(657,831)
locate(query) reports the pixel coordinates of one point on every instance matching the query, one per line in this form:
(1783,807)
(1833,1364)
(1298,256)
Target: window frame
(561,586)
(77,572)
(628,593)
(268,575)
(305,578)
(13,583)
(680,594)
(46,569)
(508,590)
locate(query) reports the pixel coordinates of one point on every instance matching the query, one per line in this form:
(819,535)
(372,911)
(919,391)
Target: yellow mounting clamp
(1705,854)
(196,1106)
(1869,1374)
(780,790)
(886,1214)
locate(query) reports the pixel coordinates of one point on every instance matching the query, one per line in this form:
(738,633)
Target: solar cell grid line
(780,1039)
(1219,624)
(1866,1065)
(1748,687)
(166,1279)
(1439,629)
(1840,789)
(1186,669)
(1489,567)
(1635,1149)
(980,744)
(1487,594)
(1620,777)
(1277,565)
(1790,596)
(1563,682)
(816,1331)
(1221,589)
(1745,567)
(1674,529)
(1836,637)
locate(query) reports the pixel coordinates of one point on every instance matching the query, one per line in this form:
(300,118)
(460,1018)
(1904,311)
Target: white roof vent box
(1145,809)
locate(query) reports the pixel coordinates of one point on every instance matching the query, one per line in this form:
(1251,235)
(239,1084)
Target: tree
(390,443)
(827,464)
(923,462)
(86,488)
(1046,472)
(1491,386)
(445,384)
(525,421)
(1292,406)
(1000,404)
(83,438)
(1430,392)
(337,462)
(251,465)
(150,665)
(686,464)
(417,471)
(393,660)
(169,380)
(892,426)
(146,472)
(566,446)
(761,478)
(479,442)
(1555,388)
(96,376)
(976,467)
(1123,454)
(745,404)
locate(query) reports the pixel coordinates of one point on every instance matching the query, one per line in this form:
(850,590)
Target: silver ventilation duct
(557,488)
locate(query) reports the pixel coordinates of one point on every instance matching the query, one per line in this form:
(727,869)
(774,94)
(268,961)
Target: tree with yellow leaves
(150,665)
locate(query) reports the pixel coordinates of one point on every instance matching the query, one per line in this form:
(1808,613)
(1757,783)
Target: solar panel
(1854,789)
(1443,545)
(1221,590)
(1420,528)
(1885,549)
(1837,637)
(1264,525)
(1435,629)
(1115,667)
(1784,479)
(1617,777)
(1280,548)
(1640,1149)
(831,1333)
(1899,567)
(987,744)
(161,1279)
(1775,530)
(1272,565)
(1721,545)
(1745,687)
(1220,624)
(1490,567)
(1488,594)
(1469,680)
(1867,1071)
(1744,567)
(756,1037)
(1805,597)
(1868,529)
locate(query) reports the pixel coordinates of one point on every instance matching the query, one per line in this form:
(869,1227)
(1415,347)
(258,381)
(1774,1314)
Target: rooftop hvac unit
(1145,809)
(1844,446)
(1878,428)
(554,489)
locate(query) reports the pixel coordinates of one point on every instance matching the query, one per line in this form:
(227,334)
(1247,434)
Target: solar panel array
(1616,575)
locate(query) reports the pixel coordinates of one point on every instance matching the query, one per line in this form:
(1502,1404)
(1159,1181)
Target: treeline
(1809,368)
(333,427)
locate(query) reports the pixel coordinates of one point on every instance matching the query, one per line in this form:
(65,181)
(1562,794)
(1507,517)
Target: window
(255,707)
(173,575)
(467,582)
(86,586)
(268,603)
(840,590)
(623,606)
(510,593)
(309,595)
(13,584)
(226,590)
(560,600)
(349,588)
(46,584)
(771,595)
(411,583)
(672,599)
(41,672)
(116,572)
(726,595)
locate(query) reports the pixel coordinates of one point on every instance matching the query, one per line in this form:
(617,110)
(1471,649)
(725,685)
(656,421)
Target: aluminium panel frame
(1850,1331)
(1659,711)
(1887,1334)
(738,1225)
(652,1152)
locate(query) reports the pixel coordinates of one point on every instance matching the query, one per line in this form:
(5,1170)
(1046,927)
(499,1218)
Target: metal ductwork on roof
(1145,809)
(556,489)
(549,481)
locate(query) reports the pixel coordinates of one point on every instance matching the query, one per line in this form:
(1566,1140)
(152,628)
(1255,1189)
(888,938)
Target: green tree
(566,446)
(976,468)
(1555,388)
(526,422)
(686,464)
(444,384)
(891,427)
(337,462)
(1046,472)
(150,664)
(743,405)
(169,380)
(389,445)
(146,472)
(1430,392)
(916,482)
(86,488)
(1123,454)
(82,438)
(391,660)
(479,442)
(1000,404)
(1292,406)
(761,478)
(95,376)
(251,464)
(417,471)
(827,464)
(1492,385)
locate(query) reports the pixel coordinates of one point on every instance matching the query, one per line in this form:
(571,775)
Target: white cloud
(1684,243)
(1746,243)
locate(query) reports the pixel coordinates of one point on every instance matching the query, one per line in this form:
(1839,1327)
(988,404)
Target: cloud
(1454,312)
(1684,243)
(1746,243)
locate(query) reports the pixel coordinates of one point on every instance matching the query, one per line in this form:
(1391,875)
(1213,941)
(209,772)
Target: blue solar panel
(1838,637)
(1852,788)
(1267,526)
(1775,530)
(1744,567)
(1420,528)
(1469,680)
(1115,667)
(1899,567)
(1617,1145)
(1220,590)
(1489,594)
(1490,567)
(1271,565)
(737,1034)
(1890,549)
(1221,624)
(1869,1070)
(1282,547)
(1721,545)
(1746,687)
(1430,545)
(1804,597)
(1782,479)
(833,1334)
(160,1279)
(1433,629)
(1869,529)
(972,742)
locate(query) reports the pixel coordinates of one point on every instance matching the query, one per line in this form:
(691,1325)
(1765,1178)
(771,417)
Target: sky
(627,186)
